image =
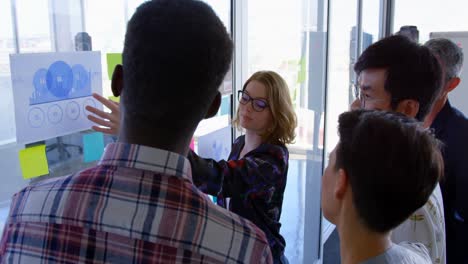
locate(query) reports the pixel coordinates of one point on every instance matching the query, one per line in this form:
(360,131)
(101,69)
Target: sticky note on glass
(192,144)
(114,99)
(33,162)
(93,146)
(113,59)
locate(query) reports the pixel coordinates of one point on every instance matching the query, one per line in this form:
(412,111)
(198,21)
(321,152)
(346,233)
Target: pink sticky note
(192,144)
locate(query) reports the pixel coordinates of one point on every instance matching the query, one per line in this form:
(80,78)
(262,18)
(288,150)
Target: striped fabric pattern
(138,205)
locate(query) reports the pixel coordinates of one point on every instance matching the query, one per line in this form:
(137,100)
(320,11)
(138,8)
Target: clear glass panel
(52,25)
(105,23)
(370,22)
(34,28)
(215,133)
(431,16)
(341,57)
(444,19)
(289,37)
(7,46)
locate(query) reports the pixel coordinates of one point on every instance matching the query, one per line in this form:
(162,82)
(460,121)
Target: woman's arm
(255,174)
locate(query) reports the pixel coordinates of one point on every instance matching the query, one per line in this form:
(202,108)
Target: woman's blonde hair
(284,120)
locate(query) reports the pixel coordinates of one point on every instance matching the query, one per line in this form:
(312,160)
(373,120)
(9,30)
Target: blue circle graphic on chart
(60,79)
(55,114)
(40,82)
(80,77)
(73,110)
(36,117)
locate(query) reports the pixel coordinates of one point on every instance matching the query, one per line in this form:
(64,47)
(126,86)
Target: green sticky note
(33,162)
(301,76)
(93,146)
(115,99)
(113,59)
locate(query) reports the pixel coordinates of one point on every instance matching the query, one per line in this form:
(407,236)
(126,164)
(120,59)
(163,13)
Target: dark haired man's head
(176,54)
(398,74)
(387,165)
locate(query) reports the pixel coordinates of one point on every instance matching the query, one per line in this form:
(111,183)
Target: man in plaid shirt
(139,204)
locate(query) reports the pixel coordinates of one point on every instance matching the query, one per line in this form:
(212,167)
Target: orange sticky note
(33,162)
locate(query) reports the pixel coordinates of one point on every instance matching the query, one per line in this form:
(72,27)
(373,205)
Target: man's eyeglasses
(258,104)
(363,97)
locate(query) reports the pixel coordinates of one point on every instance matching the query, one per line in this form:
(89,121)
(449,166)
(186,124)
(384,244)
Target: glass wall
(342,52)
(30,26)
(441,19)
(8,45)
(290,38)
(431,16)
(344,47)
(314,53)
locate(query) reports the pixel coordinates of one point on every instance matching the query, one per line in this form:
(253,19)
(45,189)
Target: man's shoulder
(426,225)
(458,120)
(236,235)
(403,253)
(235,223)
(156,208)
(413,252)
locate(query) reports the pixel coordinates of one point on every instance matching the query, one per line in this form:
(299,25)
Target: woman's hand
(109,122)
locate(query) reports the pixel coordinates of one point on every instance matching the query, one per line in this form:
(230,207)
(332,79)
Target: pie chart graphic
(55,114)
(36,117)
(59,79)
(81,77)
(39,81)
(72,110)
(89,102)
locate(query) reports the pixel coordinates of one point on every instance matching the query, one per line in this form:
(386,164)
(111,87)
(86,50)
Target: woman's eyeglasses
(258,104)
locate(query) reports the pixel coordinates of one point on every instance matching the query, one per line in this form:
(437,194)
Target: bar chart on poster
(51,91)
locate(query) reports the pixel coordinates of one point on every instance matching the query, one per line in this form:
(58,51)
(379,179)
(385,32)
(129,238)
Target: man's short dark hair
(392,162)
(176,54)
(413,72)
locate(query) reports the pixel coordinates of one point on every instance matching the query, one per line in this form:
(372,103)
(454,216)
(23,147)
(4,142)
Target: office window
(33,25)
(289,37)
(7,46)
(341,58)
(50,26)
(431,16)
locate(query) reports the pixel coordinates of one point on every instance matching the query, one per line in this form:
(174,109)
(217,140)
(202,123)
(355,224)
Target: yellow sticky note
(33,162)
(112,60)
(115,99)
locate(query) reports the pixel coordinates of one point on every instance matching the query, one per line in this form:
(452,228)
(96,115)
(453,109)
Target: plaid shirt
(137,206)
(255,185)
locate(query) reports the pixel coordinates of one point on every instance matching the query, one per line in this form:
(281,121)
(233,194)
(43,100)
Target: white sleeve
(426,226)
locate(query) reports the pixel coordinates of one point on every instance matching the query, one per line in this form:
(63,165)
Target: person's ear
(356,104)
(408,107)
(341,184)
(452,84)
(117,80)
(214,107)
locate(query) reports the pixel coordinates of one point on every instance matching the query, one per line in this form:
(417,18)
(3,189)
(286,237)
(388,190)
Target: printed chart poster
(51,91)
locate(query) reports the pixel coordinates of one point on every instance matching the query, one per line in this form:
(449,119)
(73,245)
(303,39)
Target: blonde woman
(254,176)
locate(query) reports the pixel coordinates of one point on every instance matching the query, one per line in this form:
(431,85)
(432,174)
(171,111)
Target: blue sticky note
(93,146)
